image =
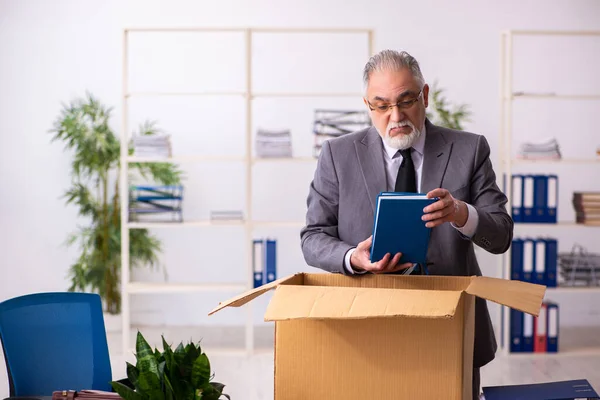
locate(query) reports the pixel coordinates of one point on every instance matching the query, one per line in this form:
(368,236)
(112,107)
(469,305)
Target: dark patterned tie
(406,180)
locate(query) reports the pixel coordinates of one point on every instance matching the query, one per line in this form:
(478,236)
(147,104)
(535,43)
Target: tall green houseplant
(443,114)
(84,127)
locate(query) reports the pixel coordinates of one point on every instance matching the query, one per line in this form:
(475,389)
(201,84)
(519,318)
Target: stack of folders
(152,146)
(530,334)
(534,261)
(334,123)
(579,389)
(398,227)
(273,143)
(534,198)
(226,215)
(264,261)
(547,150)
(156,203)
(587,207)
(579,267)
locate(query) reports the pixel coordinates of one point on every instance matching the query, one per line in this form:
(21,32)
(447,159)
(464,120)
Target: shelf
(283,159)
(579,352)
(520,95)
(280,223)
(574,289)
(183,159)
(156,94)
(151,225)
(559,224)
(307,94)
(158,287)
(213,223)
(560,161)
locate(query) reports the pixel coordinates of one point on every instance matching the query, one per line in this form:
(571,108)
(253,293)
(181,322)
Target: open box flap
(331,302)
(522,296)
(244,298)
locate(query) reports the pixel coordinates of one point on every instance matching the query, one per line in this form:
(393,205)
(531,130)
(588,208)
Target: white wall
(53,51)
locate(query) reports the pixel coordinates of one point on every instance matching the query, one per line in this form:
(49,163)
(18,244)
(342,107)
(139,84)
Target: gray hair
(392,60)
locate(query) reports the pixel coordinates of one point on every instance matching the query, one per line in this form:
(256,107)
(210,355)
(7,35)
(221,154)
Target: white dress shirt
(392,160)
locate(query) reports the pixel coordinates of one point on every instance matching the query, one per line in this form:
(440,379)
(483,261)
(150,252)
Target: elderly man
(405,152)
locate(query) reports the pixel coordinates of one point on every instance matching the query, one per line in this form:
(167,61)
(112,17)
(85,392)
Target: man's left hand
(446,209)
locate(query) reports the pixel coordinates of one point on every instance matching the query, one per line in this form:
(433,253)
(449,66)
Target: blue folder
(398,227)
(563,390)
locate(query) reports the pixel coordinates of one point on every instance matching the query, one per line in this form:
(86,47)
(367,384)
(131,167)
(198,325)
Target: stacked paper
(270,143)
(333,123)
(153,146)
(545,150)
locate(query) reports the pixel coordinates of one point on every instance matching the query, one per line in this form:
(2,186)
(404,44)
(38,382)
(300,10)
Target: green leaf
(133,376)
(126,392)
(201,371)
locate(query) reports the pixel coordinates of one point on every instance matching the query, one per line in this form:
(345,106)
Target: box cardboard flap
(522,296)
(331,302)
(244,298)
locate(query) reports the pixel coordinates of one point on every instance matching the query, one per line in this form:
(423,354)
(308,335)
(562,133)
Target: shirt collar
(418,146)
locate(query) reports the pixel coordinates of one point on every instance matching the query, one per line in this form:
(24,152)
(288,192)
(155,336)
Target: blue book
(517,198)
(516,260)
(528,199)
(552,199)
(516,331)
(258,262)
(271,261)
(551,261)
(540,198)
(563,390)
(552,327)
(398,227)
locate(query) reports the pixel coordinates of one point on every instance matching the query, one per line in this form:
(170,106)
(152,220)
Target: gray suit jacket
(351,173)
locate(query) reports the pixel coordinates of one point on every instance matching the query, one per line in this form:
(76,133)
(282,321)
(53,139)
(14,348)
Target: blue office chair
(54,341)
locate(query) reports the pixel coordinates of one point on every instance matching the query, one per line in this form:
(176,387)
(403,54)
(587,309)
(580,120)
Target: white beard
(400,141)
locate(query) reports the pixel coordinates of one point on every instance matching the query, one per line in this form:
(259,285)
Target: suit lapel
(435,158)
(370,156)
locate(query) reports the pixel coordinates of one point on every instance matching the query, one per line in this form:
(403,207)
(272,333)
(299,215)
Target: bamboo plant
(442,114)
(84,127)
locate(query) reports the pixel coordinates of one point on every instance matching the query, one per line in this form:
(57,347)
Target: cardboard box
(379,336)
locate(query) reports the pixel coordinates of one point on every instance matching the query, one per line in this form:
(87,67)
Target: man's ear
(426,95)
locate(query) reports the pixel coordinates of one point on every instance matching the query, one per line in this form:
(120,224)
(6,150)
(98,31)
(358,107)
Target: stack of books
(152,146)
(155,203)
(548,150)
(587,207)
(273,143)
(334,123)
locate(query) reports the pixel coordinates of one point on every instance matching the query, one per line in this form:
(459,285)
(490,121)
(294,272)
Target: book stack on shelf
(152,146)
(587,207)
(334,123)
(534,260)
(534,198)
(155,203)
(530,334)
(547,150)
(273,143)
(264,261)
(579,267)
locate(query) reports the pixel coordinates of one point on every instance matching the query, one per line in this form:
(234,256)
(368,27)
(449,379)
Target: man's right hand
(360,260)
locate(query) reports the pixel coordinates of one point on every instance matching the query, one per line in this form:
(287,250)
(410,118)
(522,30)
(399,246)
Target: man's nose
(397,115)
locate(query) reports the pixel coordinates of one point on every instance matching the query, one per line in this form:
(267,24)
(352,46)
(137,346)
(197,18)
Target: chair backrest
(54,341)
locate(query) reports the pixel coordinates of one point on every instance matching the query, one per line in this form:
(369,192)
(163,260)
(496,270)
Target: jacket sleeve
(320,242)
(494,231)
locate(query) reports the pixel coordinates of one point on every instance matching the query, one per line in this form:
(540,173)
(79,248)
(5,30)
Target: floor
(251,377)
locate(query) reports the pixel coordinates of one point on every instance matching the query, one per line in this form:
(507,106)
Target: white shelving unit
(129,288)
(508,96)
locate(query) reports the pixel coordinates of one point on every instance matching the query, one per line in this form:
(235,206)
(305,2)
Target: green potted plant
(442,114)
(180,374)
(84,127)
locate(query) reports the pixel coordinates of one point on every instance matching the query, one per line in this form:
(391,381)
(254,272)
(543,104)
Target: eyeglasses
(402,105)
